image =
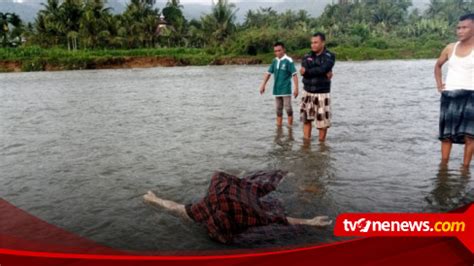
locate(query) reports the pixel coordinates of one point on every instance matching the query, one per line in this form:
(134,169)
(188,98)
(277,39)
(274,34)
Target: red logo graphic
(408,224)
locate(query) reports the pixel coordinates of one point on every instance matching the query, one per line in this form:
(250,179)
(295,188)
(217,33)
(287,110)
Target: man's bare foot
(173,207)
(465,171)
(320,221)
(150,197)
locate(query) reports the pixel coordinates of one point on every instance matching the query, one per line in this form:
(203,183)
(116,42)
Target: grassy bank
(38,59)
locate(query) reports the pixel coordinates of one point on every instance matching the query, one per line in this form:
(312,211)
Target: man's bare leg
(279,121)
(322,134)
(290,121)
(173,207)
(468,151)
(319,221)
(307,128)
(446,151)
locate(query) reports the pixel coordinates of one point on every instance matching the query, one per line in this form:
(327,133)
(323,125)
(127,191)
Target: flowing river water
(78,149)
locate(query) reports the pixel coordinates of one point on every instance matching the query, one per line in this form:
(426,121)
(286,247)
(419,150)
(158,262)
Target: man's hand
(262,89)
(330,75)
(441,87)
(296,93)
(320,221)
(302,70)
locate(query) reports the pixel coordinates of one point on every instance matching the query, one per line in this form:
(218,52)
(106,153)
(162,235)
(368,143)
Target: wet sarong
(235,205)
(316,108)
(456,116)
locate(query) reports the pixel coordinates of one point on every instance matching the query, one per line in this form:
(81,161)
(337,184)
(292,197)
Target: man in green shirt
(284,70)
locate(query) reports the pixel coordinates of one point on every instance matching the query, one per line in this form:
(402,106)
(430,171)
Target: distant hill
(27,9)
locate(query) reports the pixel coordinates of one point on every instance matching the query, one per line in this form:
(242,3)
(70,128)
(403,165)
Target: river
(78,149)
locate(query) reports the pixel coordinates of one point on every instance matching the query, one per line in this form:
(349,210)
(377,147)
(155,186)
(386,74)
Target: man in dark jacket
(316,70)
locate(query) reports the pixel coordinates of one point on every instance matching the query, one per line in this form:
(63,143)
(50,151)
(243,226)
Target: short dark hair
(320,35)
(467,16)
(279,44)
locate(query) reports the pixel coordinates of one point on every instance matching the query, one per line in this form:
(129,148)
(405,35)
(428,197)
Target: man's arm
(266,77)
(438,70)
(321,70)
(304,65)
(296,82)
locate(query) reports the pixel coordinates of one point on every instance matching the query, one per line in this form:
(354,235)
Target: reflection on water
(78,149)
(450,187)
(311,168)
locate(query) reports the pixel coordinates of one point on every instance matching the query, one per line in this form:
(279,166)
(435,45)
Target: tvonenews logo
(364,225)
(460,225)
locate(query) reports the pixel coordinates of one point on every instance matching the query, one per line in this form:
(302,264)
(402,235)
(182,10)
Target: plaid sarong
(234,205)
(456,115)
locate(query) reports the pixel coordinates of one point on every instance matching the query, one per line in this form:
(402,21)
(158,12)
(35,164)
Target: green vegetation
(77,34)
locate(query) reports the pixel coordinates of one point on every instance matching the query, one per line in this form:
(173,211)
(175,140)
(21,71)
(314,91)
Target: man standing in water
(316,70)
(456,123)
(284,69)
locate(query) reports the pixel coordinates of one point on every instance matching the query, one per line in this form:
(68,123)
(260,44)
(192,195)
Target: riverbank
(38,59)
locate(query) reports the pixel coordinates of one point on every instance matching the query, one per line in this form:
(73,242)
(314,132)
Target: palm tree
(220,24)
(140,19)
(263,17)
(196,35)
(71,12)
(174,15)
(93,27)
(72,37)
(389,12)
(434,8)
(449,9)
(50,26)
(51,7)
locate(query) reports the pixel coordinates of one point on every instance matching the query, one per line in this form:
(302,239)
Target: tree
(70,14)
(262,18)
(10,29)
(139,21)
(450,10)
(434,7)
(50,26)
(174,16)
(196,35)
(93,25)
(220,24)
(389,12)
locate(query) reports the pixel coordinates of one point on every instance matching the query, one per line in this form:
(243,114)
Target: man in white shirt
(457,94)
